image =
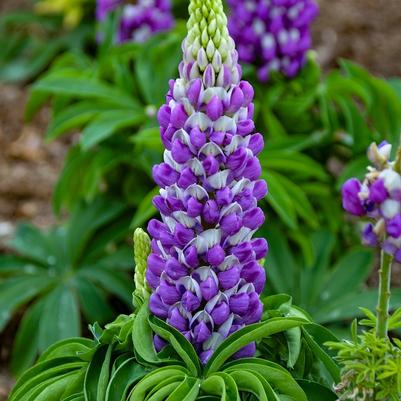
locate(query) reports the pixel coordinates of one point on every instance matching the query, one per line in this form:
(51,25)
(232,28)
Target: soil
(366,31)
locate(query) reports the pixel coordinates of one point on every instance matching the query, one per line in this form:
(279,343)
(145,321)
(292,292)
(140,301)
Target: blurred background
(365,31)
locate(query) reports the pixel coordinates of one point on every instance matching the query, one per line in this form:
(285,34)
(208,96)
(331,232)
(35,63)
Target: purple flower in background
(203,269)
(273,34)
(103,7)
(139,20)
(378,198)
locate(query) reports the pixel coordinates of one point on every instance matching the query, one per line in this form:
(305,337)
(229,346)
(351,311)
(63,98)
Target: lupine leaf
(181,345)
(317,392)
(221,384)
(16,291)
(97,375)
(125,376)
(246,335)
(107,123)
(60,317)
(278,377)
(154,378)
(25,346)
(316,336)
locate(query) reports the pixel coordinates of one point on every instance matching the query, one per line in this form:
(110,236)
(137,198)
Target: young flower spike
(203,269)
(378,198)
(274,34)
(141,251)
(140,20)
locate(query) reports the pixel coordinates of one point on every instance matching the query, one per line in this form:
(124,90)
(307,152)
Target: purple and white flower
(140,20)
(273,34)
(378,198)
(203,269)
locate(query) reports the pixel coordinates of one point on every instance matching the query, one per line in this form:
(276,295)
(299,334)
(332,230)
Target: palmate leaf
(54,288)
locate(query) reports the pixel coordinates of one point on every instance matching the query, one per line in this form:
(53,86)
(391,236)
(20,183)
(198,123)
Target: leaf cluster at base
(121,364)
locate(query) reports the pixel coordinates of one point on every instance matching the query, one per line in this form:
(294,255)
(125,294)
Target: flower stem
(384,295)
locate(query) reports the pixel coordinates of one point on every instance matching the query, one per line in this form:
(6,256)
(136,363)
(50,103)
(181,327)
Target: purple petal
(214,108)
(229,278)
(208,288)
(201,332)
(220,313)
(215,255)
(157,307)
(190,301)
(168,293)
(239,303)
(177,320)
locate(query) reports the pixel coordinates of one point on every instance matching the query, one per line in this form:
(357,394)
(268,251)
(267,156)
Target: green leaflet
(97,375)
(181,345)
(146,385)
(223,385)
(128,373)
(246,335)
(277,377)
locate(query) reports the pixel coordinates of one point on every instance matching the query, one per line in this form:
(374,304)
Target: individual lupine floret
(203,268)
(140,20)
(273,34)
(378,197)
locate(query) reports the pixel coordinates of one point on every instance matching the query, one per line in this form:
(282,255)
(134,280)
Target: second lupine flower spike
(203,269)
(138,21)
(378,198)
(274,34)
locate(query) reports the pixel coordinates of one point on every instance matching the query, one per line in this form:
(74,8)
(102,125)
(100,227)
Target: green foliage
(122,365)
(29,43)
(59,274)
(330,289)
(371,367)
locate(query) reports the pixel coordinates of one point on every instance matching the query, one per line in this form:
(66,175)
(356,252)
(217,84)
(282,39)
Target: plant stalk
(383,303)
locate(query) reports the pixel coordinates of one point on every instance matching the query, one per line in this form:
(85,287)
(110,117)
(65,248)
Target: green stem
(384,295)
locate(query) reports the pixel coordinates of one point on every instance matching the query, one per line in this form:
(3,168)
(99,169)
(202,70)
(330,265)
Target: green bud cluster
(141,252)
(207,31)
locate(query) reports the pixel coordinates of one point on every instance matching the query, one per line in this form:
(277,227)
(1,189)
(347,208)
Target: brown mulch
(366,31)
(28,167)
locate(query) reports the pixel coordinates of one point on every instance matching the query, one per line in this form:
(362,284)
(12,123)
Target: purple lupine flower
(140,20)
(378,198)
(204,270)
(273,34)
(104,7)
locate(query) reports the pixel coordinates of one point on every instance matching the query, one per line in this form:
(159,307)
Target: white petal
(225,124)
(211,148)
(213,342)
(196,167)
(244,234)
(228,262)
(184,219)
(200,120)
(219,180)
(390,208)
(240,185)
(197,192)
(392,180)
(168,158)
(226,326)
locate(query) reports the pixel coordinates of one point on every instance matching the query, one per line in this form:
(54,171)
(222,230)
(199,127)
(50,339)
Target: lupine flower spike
(203,269)
(378,198)
(138,21)
(273,34)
